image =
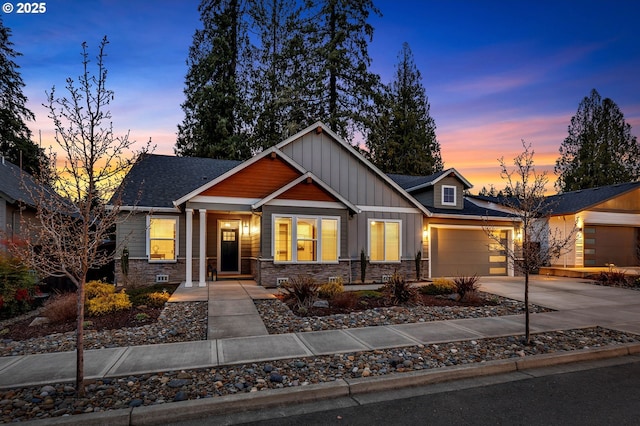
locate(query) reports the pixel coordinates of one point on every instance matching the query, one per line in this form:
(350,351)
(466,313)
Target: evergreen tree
(600,149)
(216,108)
(341,86)
(277,83)
(402,136)
(15,137)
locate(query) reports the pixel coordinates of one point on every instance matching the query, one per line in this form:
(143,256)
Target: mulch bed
(20,330)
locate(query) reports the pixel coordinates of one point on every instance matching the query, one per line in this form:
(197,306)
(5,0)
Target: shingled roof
(575,201)
(158,180)
(13,183)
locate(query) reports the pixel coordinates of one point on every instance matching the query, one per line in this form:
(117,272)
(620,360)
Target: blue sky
(495,72)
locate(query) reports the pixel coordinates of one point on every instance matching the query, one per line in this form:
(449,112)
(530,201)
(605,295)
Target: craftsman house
(309,205)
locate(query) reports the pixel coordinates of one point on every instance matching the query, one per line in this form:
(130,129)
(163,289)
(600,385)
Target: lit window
(282,239)
(384,241)
(448,195)
(315,238)
(162,239)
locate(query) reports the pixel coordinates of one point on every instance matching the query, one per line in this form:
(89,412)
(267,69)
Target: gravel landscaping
(188,321)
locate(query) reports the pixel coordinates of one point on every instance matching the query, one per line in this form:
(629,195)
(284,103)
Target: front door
(229,250)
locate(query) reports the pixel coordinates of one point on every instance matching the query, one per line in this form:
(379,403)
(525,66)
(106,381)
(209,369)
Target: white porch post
(188,281)
(203,248)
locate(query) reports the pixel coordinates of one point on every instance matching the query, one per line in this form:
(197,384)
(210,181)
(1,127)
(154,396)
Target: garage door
(459,252)
(610,244)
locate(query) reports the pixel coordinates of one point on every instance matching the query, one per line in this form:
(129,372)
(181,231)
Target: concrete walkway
(579,305)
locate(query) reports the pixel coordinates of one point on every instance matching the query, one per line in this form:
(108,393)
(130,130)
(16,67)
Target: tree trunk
(526,308)
(80,342)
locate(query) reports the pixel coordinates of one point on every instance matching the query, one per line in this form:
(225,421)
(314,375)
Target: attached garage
(604,245)
(466,251)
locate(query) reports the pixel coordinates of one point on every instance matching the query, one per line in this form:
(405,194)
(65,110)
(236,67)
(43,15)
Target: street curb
(229,404)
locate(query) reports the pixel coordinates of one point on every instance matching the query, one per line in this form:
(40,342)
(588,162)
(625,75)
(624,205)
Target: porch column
(188,281)
(203,248)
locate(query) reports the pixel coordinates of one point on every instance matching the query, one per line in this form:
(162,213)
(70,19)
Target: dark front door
(229,250)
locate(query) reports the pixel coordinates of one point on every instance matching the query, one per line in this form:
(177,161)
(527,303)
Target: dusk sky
(495,72)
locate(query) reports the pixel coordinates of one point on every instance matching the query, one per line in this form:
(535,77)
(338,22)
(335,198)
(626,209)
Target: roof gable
(414,183)
(257,180)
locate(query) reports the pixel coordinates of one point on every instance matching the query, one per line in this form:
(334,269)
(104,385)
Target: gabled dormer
(442,190)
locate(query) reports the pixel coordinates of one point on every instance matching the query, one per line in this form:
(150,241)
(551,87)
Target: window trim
(294,239)
(176,240)
(455,195)
(369,223)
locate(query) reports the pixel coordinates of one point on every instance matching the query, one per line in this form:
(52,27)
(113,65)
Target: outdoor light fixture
(245,228)
(425,233)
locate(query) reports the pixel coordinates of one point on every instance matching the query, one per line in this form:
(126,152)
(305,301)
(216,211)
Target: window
(384,241)
(162,239)
(306,239)
(448,195)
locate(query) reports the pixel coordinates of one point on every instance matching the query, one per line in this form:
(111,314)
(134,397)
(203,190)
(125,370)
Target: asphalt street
(601,394)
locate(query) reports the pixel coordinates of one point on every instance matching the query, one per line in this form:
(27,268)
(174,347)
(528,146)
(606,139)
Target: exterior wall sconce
(425,234)
(519,235)
(245,228)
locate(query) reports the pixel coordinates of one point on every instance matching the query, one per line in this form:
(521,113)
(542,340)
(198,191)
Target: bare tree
(536,244)
(72,216)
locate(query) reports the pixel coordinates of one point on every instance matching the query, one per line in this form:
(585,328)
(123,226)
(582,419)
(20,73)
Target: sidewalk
(579,305)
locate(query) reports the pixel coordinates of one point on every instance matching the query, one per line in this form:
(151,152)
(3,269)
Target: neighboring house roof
(158,180)
(15,183)
(570,202)
(575,201)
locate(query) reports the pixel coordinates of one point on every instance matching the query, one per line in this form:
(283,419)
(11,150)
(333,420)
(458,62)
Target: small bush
(399,291)
(369,294)
(106,304)
(329,290)
(61,308)
(466,287)
(140,295)
(157,299)
(439,286)
(345,300)
(94,289)
(301,290)
(17,285)
(615,278)
(142,316)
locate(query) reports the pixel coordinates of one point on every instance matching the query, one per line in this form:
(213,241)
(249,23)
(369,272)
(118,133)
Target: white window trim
(294,238)
(455,195)
(148,238)
(398,221)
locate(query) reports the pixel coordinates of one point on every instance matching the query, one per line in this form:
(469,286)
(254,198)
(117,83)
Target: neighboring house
(606,221)
(15,200)
(608,224)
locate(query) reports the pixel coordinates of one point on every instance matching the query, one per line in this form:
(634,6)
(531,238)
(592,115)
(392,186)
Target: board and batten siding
(343,171)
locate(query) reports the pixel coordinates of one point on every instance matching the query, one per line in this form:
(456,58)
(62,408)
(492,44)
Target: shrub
(17,285)
(142,316)
(466,286)
(615,278)
(93,289)
(142,295)
(301,290)
(398,290)
(345,300)
(329,290)
(61,308)
(369,294)
(439,286)
(157,299)
(110,303)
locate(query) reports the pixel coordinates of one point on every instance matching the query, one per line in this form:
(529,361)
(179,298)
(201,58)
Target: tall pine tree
(216,106)
(277,80)
(599,150)
(15,137)
(341,87)
(402,134)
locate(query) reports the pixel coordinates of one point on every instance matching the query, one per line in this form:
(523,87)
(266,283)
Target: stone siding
(270,272)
